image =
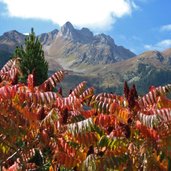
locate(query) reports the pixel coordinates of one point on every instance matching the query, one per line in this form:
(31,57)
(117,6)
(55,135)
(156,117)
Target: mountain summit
(70,46)
(8,42)
(68,32)
(47,38)
(75,47)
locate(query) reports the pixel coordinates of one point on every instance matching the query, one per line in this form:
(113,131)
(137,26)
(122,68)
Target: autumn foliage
(42,130)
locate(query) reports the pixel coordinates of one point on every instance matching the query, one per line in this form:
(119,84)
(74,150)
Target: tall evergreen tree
(32,59)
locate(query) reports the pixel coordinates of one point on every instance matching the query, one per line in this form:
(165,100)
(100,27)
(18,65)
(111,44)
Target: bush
(41,130)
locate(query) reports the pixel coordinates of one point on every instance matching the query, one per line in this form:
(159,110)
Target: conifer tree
(32,59)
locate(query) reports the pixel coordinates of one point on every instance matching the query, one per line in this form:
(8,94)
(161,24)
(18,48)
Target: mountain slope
(47,38)
(10,40)
(8,43)
(74,48)
(144,70)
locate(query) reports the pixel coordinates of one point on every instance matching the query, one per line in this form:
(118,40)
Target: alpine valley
(95,59)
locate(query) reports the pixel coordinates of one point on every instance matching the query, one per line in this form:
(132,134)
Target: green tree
(32,59)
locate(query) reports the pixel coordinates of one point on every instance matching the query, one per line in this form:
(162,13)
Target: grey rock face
(47,38)
(13,35)
(87,48)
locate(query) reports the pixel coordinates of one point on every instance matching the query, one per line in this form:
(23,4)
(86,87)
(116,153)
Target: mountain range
(94,58)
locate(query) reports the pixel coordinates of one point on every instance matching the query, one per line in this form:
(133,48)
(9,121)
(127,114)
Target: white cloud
(26,34)
(166,28)
(148,47)
(100,14)
(162,45)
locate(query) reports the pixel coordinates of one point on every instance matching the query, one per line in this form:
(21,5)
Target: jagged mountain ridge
(75,47)
(47,38)
(70,47)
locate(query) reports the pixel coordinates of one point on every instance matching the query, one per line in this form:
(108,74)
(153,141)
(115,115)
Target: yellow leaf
(51,168)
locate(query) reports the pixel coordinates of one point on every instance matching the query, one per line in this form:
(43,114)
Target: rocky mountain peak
(86,35)
(54,32)
(13,35)
(8,42)
(47,38)
(67,31)
(67,26)
(104,39)
(85,48)
(152,55)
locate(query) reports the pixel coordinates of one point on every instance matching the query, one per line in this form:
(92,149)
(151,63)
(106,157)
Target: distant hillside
(146,69)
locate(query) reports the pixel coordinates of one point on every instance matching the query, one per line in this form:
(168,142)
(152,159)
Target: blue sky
(139,25)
